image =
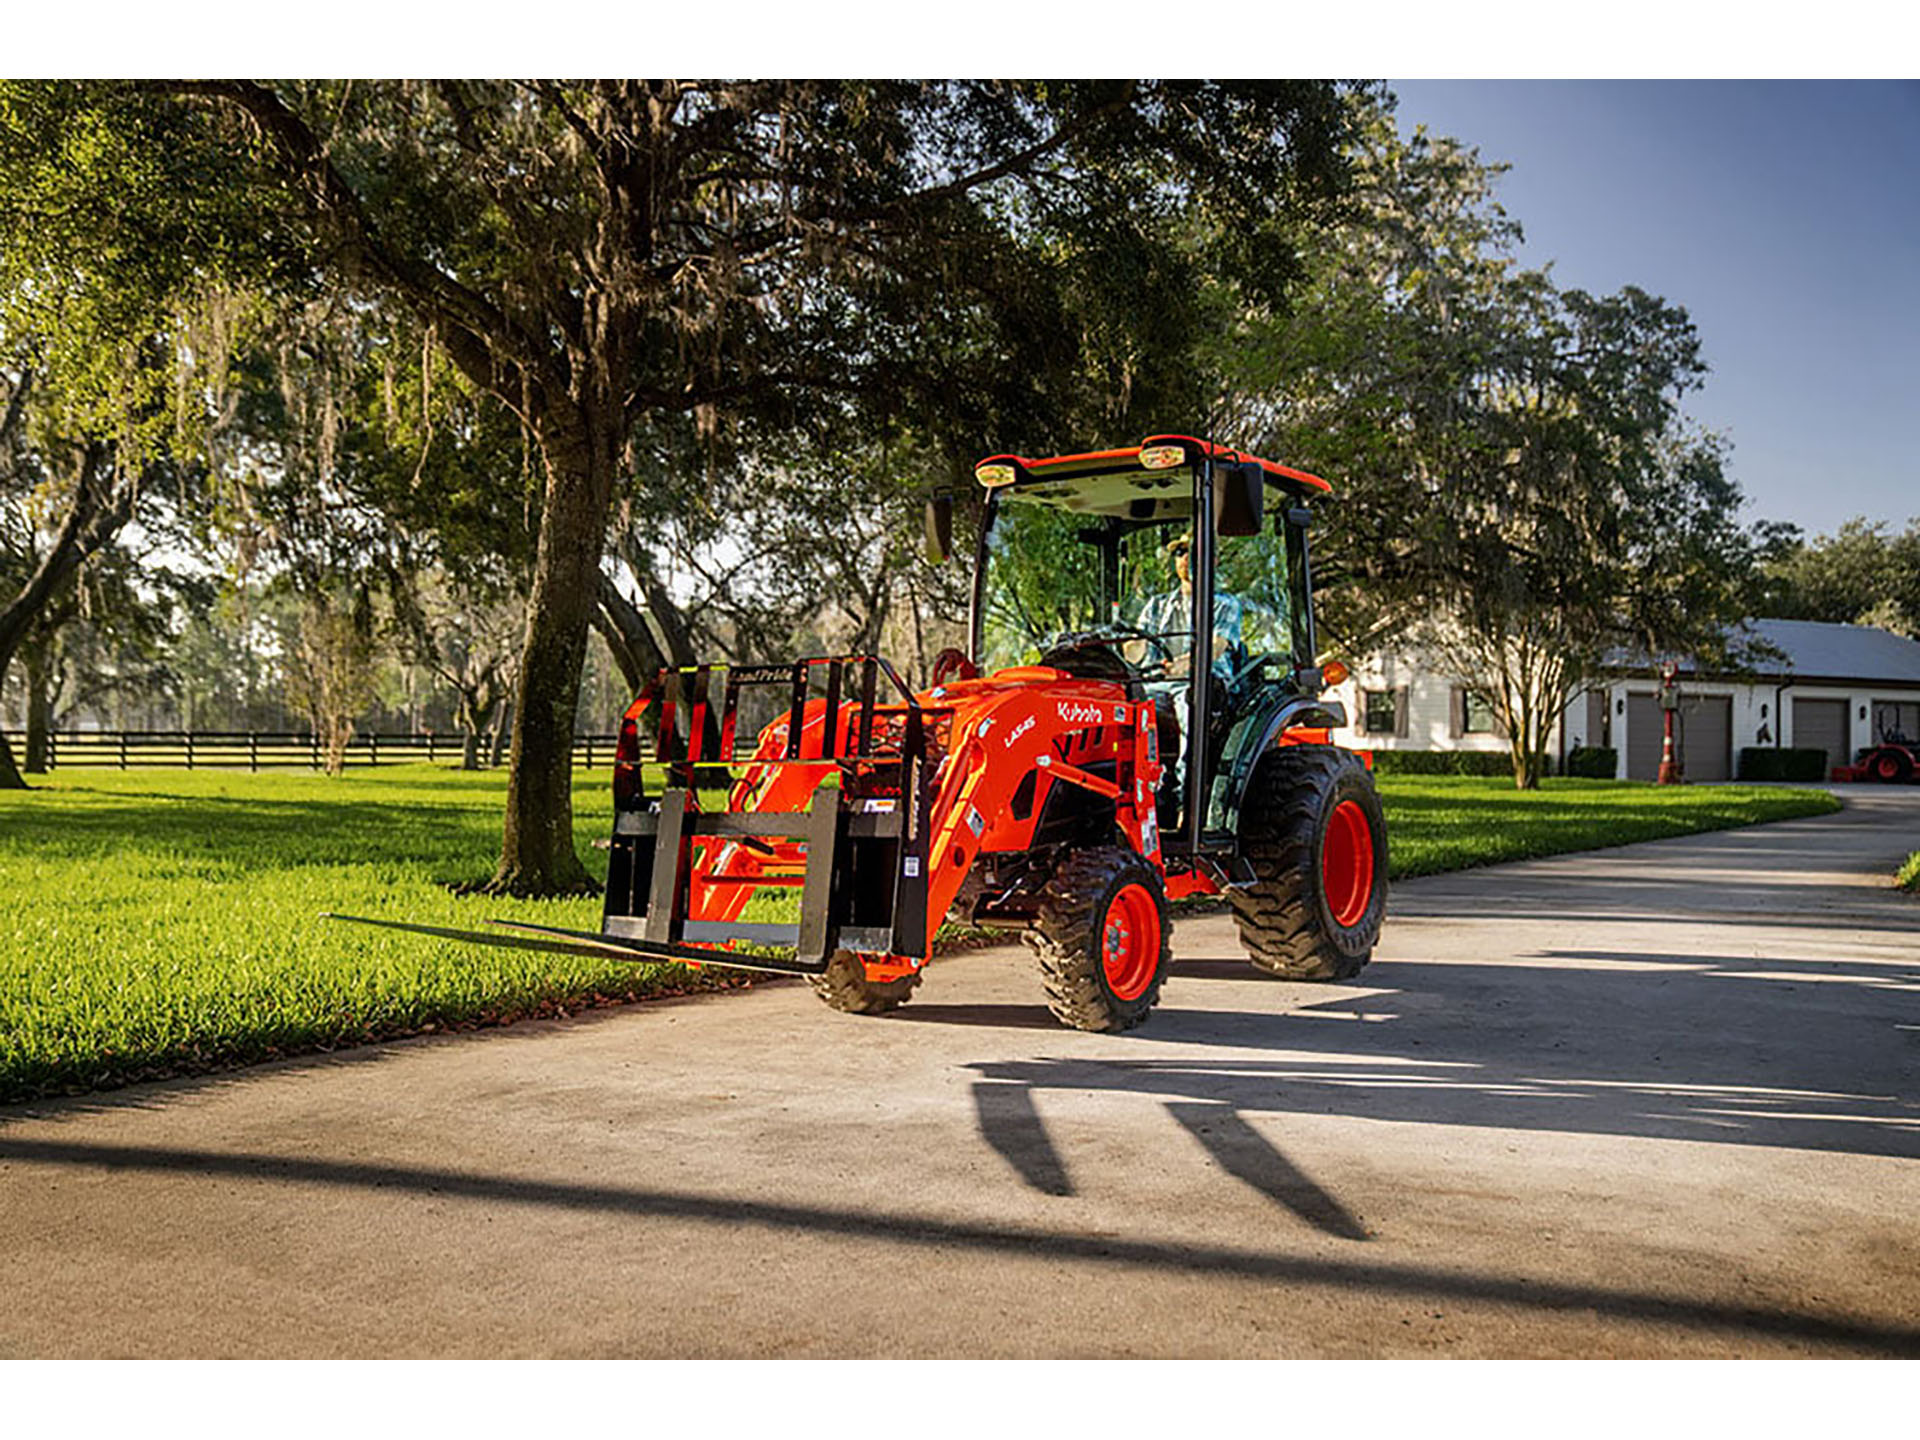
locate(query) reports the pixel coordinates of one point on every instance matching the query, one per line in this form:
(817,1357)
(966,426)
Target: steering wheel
(953,663)
(1239,677)
(1114,633)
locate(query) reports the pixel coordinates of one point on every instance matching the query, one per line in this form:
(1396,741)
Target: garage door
(1822,724)
(1706,737)
(1703,731)
(1643,736)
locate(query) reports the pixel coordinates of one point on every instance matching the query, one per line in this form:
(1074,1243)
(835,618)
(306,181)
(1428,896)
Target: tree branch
(303,160)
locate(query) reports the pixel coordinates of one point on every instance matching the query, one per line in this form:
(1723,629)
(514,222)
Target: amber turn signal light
(1333,673)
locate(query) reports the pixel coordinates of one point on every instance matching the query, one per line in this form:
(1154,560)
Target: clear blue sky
(1785,217)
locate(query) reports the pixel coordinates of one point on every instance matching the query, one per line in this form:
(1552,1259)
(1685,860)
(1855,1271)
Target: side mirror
(1239,499)
(939,527)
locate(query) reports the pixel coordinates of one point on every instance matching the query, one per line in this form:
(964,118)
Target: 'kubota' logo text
(1019,730)
(1081,714)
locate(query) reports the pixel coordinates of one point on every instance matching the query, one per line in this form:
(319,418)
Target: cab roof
(1110,462)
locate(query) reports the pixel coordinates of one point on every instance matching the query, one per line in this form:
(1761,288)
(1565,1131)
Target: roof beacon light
(993,476)
(1161,457)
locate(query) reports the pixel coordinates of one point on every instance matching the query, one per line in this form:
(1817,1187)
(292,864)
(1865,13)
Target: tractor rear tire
(844,986)
(1312,828)
(1893,767)
(1103,939)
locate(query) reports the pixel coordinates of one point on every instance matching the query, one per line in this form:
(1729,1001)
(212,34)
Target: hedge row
(1449,762)
(1796,763)
(1593,762)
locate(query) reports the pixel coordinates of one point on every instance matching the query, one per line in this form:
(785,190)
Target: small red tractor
(1894,761)
(1139,717)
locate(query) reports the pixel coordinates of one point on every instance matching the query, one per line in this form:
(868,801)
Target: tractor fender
(1260,731)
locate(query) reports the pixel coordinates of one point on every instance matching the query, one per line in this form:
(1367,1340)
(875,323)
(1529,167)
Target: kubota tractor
(1138,718)
(1894,761)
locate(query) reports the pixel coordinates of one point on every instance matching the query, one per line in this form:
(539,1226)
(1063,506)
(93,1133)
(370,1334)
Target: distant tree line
(1863,574)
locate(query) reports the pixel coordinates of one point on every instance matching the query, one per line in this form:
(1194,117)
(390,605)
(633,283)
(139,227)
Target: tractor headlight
(993,476)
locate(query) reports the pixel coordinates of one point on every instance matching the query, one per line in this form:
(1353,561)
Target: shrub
(1593,762)
(1449,762)
(1768,763)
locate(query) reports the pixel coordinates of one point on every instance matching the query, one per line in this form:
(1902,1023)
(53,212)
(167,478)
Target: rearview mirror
(1239,498)
(939,527)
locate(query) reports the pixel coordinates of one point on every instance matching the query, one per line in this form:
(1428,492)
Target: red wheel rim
(1346,863)
(1888,767)
(1130,942)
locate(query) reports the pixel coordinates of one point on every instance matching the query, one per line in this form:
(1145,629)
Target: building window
(1382,711)
(1472,713)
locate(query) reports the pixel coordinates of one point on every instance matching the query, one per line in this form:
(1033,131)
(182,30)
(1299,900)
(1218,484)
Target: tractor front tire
(1103,939)
(844,986)
(1312,828)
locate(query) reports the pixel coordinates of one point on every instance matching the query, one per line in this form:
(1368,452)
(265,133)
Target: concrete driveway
(1662,1100)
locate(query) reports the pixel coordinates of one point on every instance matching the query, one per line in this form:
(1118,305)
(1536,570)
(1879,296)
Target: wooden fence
(261,749)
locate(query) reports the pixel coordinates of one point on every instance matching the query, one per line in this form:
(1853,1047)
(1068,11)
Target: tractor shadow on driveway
(1805,1054)
(1730,1050)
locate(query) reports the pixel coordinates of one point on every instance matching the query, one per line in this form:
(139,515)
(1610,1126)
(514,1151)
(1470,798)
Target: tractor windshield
(1062,579)
(1063,576)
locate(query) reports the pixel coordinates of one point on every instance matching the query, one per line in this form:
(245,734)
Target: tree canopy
(1862,574)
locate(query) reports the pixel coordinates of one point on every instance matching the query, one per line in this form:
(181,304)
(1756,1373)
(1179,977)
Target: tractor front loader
(1138,718)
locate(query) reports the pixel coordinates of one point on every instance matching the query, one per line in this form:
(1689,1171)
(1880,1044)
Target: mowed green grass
(162,922)
(1444,822)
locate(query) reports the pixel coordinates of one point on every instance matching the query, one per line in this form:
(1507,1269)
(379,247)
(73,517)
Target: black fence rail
(263,749)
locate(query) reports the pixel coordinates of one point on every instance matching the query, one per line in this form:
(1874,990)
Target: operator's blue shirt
(1173,613)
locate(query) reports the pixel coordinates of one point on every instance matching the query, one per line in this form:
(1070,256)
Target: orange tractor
(1139,718)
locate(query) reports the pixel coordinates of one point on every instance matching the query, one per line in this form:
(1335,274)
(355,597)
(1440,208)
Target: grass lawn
(157,922)
(1445,822)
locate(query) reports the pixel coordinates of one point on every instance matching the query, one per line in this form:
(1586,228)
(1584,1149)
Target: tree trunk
(497,736)
(1526,768)
(39,706)
(537,855)
(10,777)
(338,732)
(475,716)
(102,502)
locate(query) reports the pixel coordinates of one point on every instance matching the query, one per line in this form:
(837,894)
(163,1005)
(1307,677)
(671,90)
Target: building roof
(1817,649)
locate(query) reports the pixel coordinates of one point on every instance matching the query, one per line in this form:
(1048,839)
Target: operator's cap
(1181,541)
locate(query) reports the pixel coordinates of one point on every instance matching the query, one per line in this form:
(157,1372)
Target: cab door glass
(1253,602)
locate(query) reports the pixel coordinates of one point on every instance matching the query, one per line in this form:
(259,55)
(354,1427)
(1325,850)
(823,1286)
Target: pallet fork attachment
(838,809)
(834,803)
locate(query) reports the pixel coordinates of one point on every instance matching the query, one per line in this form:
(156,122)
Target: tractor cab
(1180,570)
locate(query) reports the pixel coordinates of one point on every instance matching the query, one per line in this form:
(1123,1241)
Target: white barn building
(1833,687)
